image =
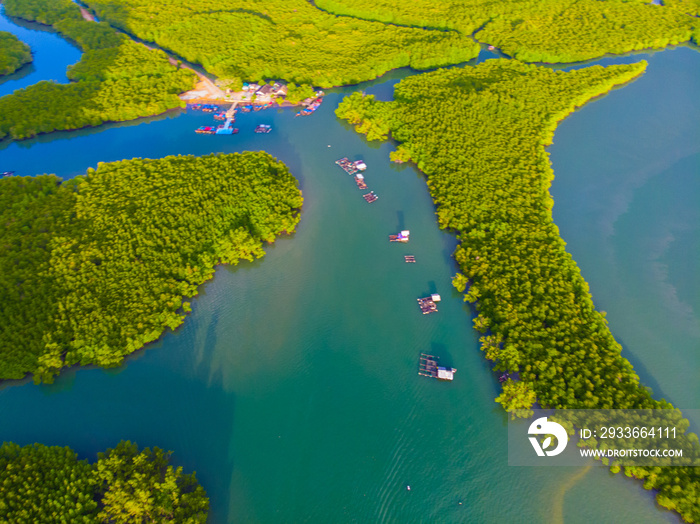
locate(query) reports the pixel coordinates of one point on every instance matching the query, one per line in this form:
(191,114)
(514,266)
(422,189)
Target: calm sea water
(292,388)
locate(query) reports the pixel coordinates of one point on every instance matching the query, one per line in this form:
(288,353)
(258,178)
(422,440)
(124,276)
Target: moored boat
(205,130)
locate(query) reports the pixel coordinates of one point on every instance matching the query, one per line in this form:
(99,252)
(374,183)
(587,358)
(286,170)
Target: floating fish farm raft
(428,367)
(360,180)
(370,197)
(401,237)
(410,259)
(351,167)
(428,304)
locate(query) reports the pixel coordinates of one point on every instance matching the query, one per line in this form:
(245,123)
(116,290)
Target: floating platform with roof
(351,167)
(263,128)
(428,304)
(401,237)
(428,367)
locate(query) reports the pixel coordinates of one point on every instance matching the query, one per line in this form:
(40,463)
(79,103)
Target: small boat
(313,106)
(408,488)
(7,173)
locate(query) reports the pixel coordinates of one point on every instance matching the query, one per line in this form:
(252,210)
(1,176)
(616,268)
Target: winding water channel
(292,389)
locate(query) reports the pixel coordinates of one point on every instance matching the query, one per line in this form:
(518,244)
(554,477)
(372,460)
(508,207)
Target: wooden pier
(410,259)
(428,367)
(230,113)
(428,304)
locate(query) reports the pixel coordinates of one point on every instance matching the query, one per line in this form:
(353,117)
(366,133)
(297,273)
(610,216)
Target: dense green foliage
(287,39)
(13,53)
(49,484)
(116,79)
(550,31)
(296,94)
(480,139)
(94,268)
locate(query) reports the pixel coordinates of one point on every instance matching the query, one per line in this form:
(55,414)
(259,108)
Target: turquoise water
(292,388)
(626,200)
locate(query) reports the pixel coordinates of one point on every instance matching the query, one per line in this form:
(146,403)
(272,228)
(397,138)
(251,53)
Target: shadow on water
(45,138)
(32,26)
(400,220)
(382,87)
(606,60)
(441,351)
(25,70)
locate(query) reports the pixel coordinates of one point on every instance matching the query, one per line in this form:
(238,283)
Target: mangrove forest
(551,31)
(283,39)
(94,268)
(49,484)
(13,53)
